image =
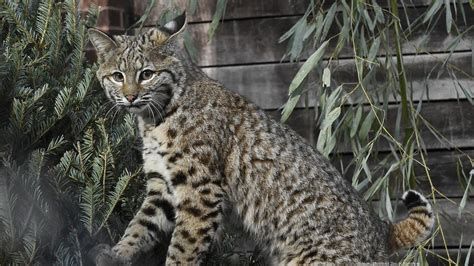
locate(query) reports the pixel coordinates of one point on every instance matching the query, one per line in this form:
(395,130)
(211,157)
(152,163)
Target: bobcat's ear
(102,42)
(175,26)
(161,35)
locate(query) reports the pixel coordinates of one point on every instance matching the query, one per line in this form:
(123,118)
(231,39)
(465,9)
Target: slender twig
(402,80)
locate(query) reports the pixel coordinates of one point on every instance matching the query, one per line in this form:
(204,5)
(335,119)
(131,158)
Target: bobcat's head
(141,73)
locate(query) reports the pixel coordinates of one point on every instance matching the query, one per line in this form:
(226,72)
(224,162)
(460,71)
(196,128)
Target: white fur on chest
(155,163)
(154,142)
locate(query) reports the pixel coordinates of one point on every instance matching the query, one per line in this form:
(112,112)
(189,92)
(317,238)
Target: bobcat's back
(286,193)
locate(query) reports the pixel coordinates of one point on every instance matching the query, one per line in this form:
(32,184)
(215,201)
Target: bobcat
(205,147)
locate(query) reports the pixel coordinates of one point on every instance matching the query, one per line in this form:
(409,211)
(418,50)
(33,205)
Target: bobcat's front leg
(153,223)
(198,214)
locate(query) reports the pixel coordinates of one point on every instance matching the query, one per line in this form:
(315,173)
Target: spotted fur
(205,147)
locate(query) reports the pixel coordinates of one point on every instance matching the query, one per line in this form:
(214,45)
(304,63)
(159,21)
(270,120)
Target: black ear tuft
(175,26)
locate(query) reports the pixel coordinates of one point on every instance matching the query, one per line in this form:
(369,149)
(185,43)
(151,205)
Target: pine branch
(12,12)
(43,15)
(116,194)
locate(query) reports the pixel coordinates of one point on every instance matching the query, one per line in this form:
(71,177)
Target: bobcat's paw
(123,251)
(105,256)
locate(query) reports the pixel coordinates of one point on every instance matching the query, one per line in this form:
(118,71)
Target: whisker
(158,108)
(115,114)
(148,108)
(157,103)
(106,105)
(112,108)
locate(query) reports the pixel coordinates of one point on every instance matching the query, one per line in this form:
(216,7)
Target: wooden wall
(246,57)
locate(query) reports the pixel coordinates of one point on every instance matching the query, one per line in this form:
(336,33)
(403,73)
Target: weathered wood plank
(424,83)
(448,117)
(443,170)
(235,9)
(267,84)
(453,226)
(256,41)
(451,118)
(243,8)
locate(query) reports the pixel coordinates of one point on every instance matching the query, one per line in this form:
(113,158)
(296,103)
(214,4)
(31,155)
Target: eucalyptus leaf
(356,121)
(462,204)
(344,34)
(319,23)
(330,144)
(322,137)
(388,204)
(435,6)
(289,106)
(371,23)
(306,68)
(366,125)
(449,16)
(378,12)
(297,41)
(331,117)
(378,183)
(333,98)
(326,77)
(218,15)
(374,48)
(309,30)
(468,255)
(328,20)
(291,31)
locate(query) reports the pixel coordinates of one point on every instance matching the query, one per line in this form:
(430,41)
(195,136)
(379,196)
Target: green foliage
(218,15)
(70,165)
(296,83)
(66,167)
(354,119)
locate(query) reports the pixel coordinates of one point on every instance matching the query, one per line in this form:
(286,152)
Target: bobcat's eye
(117,76)
(146,74)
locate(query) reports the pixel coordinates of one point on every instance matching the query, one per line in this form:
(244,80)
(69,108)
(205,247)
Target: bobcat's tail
(416,227)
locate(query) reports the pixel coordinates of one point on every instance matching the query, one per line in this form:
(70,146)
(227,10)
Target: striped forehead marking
(132,57)
(133,48)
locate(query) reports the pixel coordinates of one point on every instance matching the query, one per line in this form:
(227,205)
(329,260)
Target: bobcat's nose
(131,97)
